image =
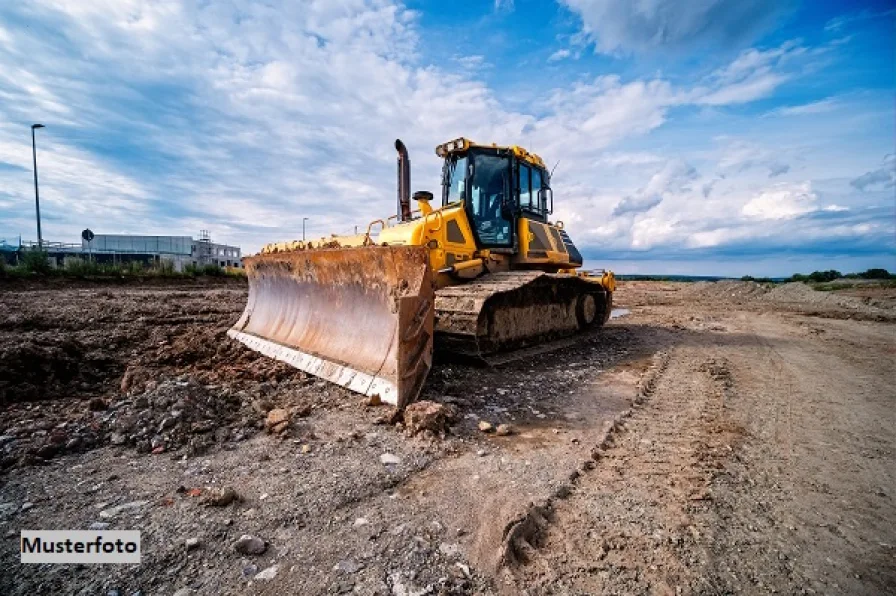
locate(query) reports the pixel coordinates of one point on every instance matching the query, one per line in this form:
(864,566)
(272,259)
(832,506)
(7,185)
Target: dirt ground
(719,438)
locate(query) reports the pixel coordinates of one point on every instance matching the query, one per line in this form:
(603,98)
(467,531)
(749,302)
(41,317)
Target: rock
(192,543)
(504,430)
(269,573)
(73,444)
(361,521)
(348,566)
(113,511)
(428,415)
(302,411)
(219,497)
(374,400)
(157,442)
(27,505)
(250,570)
(118,439)
(486,426)
(47,451)
(183,592)
(97,404)
(481,452)
(250,545)
(98,526)
(306,448)
(389,459)
(277,421)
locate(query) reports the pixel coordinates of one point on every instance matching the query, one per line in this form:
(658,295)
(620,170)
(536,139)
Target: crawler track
(512,310)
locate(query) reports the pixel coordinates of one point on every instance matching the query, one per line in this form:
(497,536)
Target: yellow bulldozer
(484,273)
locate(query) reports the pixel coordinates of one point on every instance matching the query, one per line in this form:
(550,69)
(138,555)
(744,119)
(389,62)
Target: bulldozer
(485,273)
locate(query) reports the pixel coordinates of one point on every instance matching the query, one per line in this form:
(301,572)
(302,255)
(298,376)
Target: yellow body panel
(540,244)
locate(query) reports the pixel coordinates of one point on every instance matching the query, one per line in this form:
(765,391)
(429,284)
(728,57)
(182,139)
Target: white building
(180,250)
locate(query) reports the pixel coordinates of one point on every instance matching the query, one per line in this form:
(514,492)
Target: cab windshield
(489,190)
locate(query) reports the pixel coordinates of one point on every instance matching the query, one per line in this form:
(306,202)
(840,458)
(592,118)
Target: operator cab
(498,185)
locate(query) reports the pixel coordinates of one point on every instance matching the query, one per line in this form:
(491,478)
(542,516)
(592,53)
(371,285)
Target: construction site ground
(724,437)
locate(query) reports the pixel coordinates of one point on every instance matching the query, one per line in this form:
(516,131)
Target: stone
(97,404)
(192,543)
(486,426)
(98,526)
(183,592)
(268,574)
(47,451)
(113,511)
(389,459)
(219,496)
(276,421)
(361,521)
(427,415)
(248,544)
(504,430)
(27,505)
(348,566)
(118,439)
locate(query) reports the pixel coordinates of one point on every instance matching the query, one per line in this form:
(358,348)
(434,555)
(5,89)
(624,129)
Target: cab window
(523,185)
(457,180)
(489,184)
(537,203)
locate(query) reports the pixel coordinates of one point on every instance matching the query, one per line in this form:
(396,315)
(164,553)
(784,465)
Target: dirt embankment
(721,438)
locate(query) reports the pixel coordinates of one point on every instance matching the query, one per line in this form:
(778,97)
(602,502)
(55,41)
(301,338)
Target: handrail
(370,226)
(437,212)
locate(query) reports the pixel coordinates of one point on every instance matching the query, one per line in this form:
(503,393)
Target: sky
(708,137)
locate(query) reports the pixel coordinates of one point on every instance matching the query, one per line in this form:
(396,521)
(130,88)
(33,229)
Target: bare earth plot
(721,438)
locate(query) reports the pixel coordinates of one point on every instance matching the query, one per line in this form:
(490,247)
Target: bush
(876,274)
(821,276)
(166,268)
(82,268)
(35,261)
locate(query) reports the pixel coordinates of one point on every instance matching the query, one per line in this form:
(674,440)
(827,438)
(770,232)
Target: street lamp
(40,240)
(304,219)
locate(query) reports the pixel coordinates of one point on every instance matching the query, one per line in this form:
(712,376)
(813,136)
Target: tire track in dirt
(628,525)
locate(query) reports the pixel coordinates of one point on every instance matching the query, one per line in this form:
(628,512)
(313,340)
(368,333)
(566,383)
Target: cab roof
(461,144)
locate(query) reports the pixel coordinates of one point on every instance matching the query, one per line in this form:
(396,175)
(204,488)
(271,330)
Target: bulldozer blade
(359,317)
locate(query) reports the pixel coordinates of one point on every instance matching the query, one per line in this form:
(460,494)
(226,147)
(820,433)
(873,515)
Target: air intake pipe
(404,182)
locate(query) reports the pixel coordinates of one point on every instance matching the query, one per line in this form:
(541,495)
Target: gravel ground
(716,439)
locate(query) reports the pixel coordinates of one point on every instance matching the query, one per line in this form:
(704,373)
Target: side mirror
(546,200)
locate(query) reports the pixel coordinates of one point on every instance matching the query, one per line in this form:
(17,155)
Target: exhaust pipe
(404,182)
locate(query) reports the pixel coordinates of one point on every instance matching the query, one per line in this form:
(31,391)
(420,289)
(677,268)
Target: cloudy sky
(700,137)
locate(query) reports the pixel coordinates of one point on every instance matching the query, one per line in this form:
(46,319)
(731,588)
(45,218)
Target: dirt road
(721,438)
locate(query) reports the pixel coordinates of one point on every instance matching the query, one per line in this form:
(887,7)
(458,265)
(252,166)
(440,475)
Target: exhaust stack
(404,182)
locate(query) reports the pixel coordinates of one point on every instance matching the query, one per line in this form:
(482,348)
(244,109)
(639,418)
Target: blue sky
(703,137)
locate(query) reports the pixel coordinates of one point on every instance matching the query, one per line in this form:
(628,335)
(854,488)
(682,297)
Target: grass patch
(833,287)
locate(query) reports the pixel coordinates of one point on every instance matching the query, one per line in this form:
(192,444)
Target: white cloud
(641,26)
(883,177)
(559,55)
(821,106)
(784,201)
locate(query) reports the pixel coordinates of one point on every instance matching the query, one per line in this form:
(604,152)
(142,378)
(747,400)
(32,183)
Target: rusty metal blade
(359,317)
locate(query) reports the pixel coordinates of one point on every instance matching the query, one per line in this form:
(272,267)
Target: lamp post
(40,240)
(304,219)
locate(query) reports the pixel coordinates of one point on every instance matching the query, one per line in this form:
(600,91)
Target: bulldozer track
(512,311)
